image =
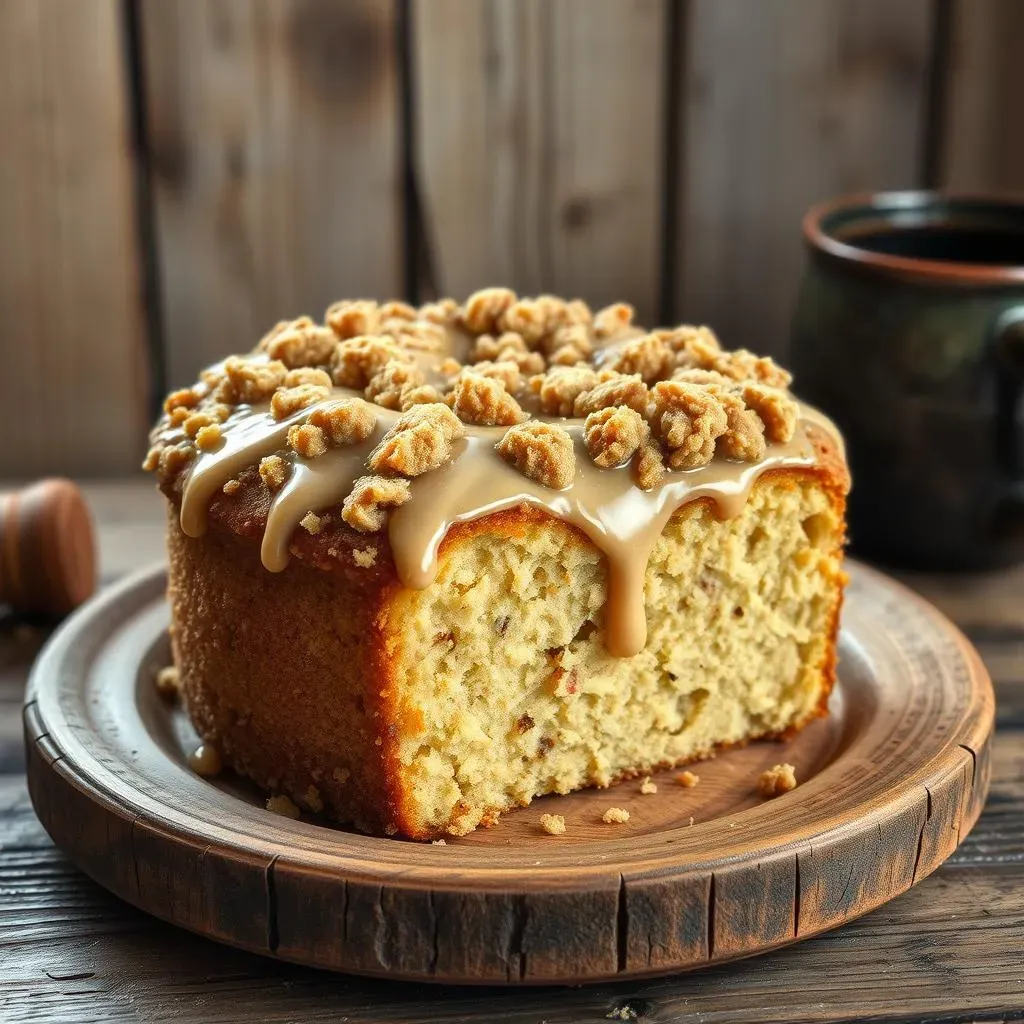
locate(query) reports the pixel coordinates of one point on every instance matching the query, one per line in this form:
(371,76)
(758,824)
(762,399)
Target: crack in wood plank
(135,858)
(974,762)
(270,882)
(622,926)
(711,917)
(435,950)
(920,837)
(796,892)
(515,954)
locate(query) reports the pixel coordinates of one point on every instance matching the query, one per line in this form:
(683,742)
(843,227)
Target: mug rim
(884,204)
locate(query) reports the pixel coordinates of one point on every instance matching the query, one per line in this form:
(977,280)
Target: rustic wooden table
(949,950)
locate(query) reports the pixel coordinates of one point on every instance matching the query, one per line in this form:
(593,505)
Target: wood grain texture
(785,104)
(539,145)
(983,148)
(275,160)
(73,388)
(742,875)
(949,948)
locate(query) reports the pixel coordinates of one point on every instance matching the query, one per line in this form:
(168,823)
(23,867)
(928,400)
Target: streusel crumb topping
(364,508)
(614,435)
(420,440)
(555,382)
(541,451)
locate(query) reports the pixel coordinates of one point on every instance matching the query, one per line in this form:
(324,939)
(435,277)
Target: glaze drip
(623,521)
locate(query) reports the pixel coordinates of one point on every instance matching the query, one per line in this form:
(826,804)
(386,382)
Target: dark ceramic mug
(909,333)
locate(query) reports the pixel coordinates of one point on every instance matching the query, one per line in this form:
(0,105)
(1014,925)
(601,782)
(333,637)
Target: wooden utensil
(47,549)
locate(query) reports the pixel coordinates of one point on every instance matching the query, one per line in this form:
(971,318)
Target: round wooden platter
(890,783)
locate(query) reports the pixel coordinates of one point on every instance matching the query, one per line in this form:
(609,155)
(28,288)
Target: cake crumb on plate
(687,779)
(283,806)
(168,683)
(365,557)
(615,816)
(776,781)
(553,824)
(647,787)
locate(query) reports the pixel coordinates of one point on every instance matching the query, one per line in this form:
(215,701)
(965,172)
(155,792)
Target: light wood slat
(276,164)
(539,148)
(983,145)
(73,384)
(785,104)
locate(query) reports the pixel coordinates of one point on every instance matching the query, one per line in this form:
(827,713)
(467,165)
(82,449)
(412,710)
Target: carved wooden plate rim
(902,777)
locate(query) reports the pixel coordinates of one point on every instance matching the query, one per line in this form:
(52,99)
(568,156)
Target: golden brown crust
(311,716)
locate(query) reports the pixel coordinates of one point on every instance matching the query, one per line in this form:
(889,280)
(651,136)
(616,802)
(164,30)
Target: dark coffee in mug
(951,244)
(909,332)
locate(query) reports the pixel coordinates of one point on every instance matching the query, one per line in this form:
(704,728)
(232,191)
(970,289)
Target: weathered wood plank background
(178,174)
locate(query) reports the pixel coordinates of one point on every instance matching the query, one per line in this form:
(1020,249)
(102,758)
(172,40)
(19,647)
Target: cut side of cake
(425,567)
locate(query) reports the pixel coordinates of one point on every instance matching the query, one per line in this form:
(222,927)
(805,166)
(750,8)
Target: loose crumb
(168,683)
(311,523)
(624,1012)
(687,779)
(208,438)
(313,800)
(615,816)
(647,787)
(438,842)
(283,806)
(205,760)
(776,781)
(365,557)
(232,487)
(553,824)
(273,471)
(307,440)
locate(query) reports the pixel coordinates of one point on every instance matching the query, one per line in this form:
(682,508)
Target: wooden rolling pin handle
(47,550)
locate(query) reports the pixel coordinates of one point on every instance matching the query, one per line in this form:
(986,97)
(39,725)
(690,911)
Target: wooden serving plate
(889,785)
